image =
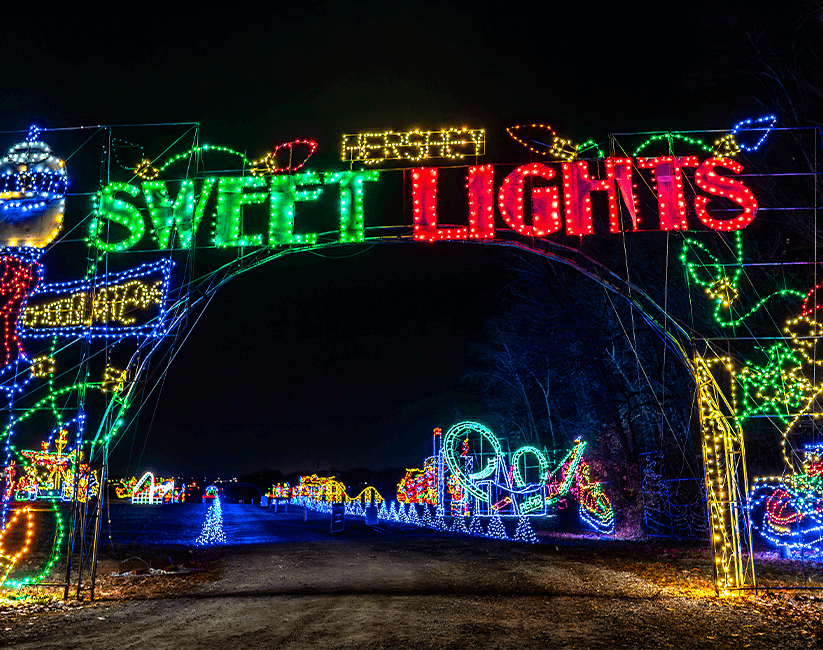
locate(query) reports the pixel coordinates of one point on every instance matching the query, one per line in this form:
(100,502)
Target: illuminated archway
(120,315)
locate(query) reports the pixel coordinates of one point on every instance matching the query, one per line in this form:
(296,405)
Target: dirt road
(413,588)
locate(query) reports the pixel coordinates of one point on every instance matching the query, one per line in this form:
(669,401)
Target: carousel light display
(320,488)
(51,475)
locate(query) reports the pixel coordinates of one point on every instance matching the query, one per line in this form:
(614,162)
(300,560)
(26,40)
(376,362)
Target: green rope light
(670,137)
(204,148)
(722,286)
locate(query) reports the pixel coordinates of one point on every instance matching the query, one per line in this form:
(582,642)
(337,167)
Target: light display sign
(134,211)
(134,281)
(414,146)
(114,305)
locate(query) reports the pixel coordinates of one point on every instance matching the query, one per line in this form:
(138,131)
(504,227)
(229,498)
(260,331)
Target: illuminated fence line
(421,515)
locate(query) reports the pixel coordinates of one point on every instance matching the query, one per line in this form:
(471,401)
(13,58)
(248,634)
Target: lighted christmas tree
(401,513)
(412,517)
(496,528)
(212,532)
(525,532)
(393,511)
(427,517)
(459,526)
(382,511)
(439,522)
(476,527)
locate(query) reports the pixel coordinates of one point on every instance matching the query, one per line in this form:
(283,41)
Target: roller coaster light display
(492,492)
(482,480)
(327,489)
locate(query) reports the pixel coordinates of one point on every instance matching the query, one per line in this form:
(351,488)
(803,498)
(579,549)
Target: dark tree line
(564,359)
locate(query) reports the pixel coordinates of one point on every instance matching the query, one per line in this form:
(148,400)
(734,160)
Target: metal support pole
(99,523)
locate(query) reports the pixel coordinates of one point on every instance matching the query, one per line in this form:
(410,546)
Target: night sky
(350,360)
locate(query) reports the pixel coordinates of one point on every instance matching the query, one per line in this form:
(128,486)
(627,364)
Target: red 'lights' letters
(578,185)
(708,181)
(545,201)
(668,178)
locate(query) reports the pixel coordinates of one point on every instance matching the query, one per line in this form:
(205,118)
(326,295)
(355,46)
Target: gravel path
(413,588)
